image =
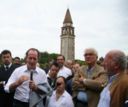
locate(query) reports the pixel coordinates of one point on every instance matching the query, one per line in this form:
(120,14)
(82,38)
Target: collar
(90,69)
(112,78)
(62,67)
(34,70)
(8,65)
(48,76)
(64,93)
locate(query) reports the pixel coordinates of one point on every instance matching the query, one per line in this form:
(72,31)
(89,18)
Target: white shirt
(22,91)
(105,97)
(8,65)
(65,72)
(105,94)
(64,101)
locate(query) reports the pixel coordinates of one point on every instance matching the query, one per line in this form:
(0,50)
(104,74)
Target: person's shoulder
(66,93)
(83,67)
(124,77)
(40,70)
(19,70)
(16,65)
(99,68)
(123,80)
(23,67)
(66,68)
(1,66)
(13,67)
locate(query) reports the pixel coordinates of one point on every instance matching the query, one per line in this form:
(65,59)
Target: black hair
(6,52)
(61,55)
(17,57)
(64,79)
(55,64)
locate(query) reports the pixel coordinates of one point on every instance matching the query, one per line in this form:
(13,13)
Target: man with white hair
(89,80)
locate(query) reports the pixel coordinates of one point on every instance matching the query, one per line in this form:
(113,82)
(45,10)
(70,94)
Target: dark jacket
(6,99)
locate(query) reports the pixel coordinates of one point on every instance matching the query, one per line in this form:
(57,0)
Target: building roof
(67,18)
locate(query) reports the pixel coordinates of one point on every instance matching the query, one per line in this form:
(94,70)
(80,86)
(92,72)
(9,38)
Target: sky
(100,24)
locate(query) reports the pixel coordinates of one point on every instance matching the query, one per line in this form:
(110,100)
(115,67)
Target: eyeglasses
(60,59)
(88,54)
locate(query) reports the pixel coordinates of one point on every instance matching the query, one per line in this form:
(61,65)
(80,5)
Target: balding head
(115,61)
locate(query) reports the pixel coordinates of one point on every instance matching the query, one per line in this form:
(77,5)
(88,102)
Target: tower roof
(67,18)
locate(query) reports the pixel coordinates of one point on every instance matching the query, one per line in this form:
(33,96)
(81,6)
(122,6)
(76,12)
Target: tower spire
(67,18)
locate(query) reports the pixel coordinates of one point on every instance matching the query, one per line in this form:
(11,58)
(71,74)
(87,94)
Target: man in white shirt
(63,71)
(25,79)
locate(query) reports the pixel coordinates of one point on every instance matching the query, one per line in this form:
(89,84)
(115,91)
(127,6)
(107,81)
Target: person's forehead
(89,51)
(60,79)
(60,57)
(32,52)
(4,55)
(53,67)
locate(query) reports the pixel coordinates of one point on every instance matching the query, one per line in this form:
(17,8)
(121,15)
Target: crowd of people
(66,83)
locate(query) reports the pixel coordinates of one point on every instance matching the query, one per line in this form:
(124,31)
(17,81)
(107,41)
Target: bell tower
(68,37)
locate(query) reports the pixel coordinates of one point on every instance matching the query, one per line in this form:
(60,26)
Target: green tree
(45,57)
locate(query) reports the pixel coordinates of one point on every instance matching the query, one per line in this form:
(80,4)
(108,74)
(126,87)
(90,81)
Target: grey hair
(120,58)
(91,50)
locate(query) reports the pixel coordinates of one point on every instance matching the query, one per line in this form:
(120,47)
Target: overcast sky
(102,24)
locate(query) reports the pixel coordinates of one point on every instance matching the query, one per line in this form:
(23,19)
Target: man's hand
(77,82)
(22,79)
(14,85)
(32,86)
(81,79)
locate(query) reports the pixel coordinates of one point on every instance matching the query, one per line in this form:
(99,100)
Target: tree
(46,58)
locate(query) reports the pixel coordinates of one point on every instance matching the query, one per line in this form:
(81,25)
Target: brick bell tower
(68,37)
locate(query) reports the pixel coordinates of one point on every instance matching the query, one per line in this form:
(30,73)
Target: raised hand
(22,79)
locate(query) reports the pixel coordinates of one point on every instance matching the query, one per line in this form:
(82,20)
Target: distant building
(68,37)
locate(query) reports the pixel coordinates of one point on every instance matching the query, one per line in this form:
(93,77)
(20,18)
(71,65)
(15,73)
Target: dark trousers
(17,103)
(6,100)
(69,86)
(126,105)
(78,103)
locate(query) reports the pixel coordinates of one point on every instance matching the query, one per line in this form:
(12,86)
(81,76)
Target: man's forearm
(13,86)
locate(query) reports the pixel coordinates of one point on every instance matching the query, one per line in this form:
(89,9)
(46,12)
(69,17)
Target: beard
(60,65)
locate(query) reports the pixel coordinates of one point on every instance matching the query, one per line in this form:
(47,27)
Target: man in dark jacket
(6,70)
